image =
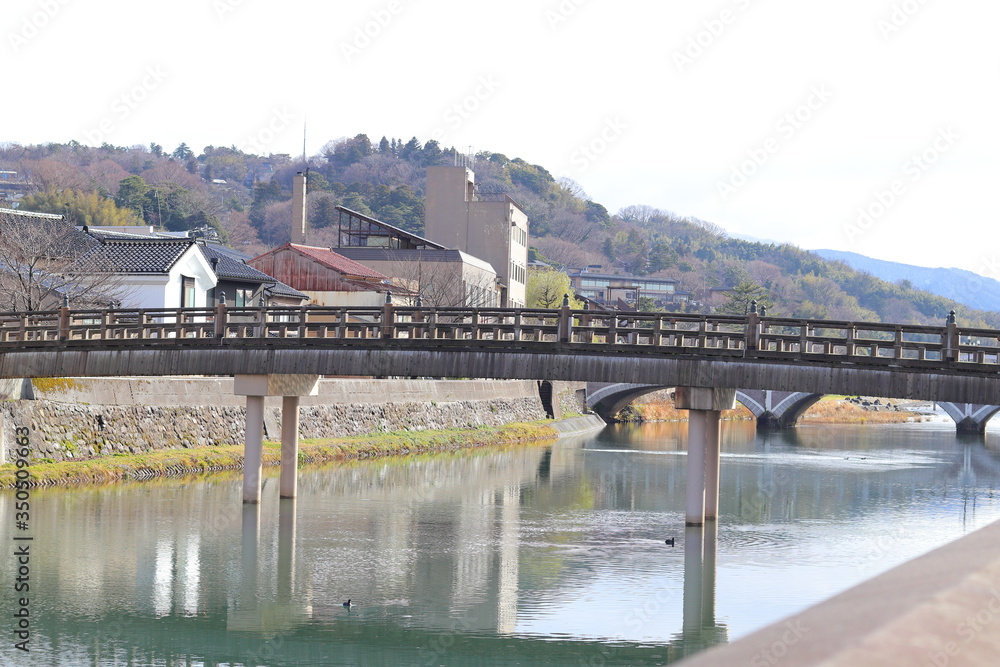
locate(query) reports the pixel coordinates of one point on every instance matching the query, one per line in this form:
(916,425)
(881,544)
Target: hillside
(963,286)
(245,199)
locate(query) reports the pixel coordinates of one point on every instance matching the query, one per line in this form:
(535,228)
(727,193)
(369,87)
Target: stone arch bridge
(773,410)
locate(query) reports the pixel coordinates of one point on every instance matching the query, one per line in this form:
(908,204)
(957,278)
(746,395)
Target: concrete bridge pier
(970,418)
(255,388)
(705,406)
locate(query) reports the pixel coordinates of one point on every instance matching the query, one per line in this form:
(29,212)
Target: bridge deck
(658,348)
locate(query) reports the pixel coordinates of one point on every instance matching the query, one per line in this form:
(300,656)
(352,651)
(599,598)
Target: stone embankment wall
(81,417)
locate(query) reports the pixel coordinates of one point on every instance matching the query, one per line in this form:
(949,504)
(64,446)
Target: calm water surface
(535,555)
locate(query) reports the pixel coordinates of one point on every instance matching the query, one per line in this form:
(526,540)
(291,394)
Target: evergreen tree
(742,296)
(182,152)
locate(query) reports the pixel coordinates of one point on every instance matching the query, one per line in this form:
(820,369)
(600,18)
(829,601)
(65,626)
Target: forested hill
(246,199)
(966,287)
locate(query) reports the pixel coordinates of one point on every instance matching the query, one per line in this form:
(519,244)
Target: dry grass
(659,407)
(205,459)
(842,412)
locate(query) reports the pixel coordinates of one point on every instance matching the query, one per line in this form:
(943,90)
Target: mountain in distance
(959,285)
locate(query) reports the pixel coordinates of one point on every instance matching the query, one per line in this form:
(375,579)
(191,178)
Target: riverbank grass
(171,462)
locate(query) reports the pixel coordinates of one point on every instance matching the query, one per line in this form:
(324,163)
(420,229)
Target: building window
(244,297)
(187,292)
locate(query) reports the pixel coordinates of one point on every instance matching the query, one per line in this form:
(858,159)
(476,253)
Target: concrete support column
(289,446)
(255,388)
(704,405)
(713,445)
(253,449)
(695,474)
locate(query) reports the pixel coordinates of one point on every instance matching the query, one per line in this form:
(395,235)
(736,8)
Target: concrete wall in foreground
(74,418)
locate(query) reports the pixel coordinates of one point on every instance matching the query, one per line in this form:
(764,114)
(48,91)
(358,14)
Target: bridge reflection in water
(537,555)
(248,612)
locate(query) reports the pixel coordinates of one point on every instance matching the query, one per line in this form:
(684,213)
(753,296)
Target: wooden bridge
(609,347)
(283,351)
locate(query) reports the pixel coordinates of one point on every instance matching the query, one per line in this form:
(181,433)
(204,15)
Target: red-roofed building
(328,278)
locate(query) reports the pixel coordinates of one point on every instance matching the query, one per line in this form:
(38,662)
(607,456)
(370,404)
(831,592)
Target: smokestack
(299,208)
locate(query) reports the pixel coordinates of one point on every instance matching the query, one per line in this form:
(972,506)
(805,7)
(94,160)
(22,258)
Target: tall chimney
(299,208)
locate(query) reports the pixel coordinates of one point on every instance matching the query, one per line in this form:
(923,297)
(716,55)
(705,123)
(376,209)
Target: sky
(861,125)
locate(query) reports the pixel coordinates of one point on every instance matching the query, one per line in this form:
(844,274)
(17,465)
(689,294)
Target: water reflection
(535,555)
(701,630)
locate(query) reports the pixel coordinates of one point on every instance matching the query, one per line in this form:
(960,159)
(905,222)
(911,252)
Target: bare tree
(43,259)
(439,282)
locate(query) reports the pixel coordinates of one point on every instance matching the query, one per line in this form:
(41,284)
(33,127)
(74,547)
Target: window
(244,297)
(187,292)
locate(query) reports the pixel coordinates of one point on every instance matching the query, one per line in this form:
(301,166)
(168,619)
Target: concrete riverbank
(79,418)
(105,429)
(941,609)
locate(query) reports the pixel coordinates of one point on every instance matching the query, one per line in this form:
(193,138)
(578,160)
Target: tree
(442,284)
(742,296)
(132,193)
(80,208)
(182,152)
(547,287)
(647,304)
(44,259)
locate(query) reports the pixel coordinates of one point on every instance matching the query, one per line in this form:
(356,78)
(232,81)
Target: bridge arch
(773,410)
(969,417)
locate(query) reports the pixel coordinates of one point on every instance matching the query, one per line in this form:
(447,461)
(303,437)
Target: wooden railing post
(753,327)
(220,317)
(64,319)
(387,316)
(565,321)
(418,318)
(951,340)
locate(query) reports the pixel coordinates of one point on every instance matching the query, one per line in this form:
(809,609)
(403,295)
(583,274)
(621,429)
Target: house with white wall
(159,273)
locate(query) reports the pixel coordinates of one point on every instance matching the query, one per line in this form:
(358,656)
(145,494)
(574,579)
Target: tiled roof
(337,262)
(67,241)
(232,268)
(281,289)
(145,255)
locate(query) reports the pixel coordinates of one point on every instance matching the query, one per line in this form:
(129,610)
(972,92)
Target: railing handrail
(732,335)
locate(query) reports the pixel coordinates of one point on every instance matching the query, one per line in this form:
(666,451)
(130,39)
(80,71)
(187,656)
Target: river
(549,554)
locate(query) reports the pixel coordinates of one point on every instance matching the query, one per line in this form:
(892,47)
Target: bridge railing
(659,330)
(749,336)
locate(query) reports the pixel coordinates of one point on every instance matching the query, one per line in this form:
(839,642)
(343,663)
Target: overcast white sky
(777,119)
